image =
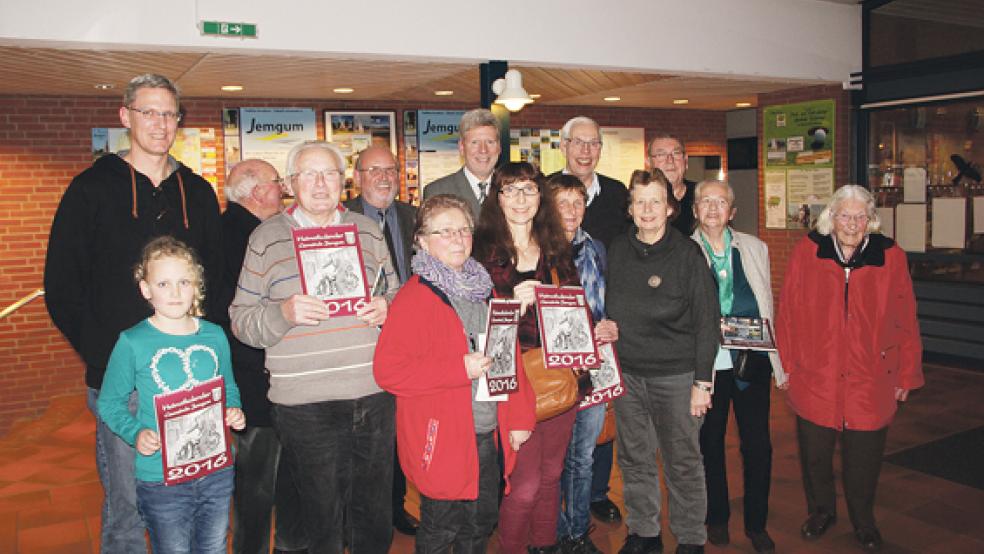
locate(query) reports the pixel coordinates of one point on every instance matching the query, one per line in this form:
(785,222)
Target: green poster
(798,142)
(800,135)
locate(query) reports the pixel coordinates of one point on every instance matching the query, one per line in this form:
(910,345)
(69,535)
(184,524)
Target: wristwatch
(703,387)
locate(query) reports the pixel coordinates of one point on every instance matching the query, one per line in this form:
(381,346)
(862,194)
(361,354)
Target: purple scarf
(472,283)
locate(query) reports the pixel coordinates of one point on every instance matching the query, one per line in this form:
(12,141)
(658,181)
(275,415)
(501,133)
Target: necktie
(483,188)
(389,243)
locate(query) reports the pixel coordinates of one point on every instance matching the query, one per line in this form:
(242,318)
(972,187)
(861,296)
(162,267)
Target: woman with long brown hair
(520,241)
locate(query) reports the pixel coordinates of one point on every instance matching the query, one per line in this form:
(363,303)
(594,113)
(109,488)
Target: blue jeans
(188,517)
(122,527)
(575,481)
(341,455)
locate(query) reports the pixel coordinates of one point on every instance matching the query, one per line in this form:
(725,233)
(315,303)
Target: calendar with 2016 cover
(330,261)
(566,329)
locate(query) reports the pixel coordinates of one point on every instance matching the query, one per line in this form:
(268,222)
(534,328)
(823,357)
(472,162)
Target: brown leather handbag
(557,390)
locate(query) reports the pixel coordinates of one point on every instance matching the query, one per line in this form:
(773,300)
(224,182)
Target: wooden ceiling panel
(299,76)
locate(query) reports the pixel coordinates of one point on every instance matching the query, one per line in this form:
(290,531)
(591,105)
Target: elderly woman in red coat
(849,340)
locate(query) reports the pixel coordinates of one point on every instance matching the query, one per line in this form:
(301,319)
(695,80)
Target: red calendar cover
(191,424)
(500,345)
(330,262)
(566,330)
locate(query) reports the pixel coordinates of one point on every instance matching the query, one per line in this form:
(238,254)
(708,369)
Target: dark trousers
(861,458)
(399,485)
(262,483)
(601,470)
(341,455)
(752,416)
(464,524)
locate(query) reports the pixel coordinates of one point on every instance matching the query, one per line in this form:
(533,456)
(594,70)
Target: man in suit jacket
(479,146)
(378,179)
(606,215)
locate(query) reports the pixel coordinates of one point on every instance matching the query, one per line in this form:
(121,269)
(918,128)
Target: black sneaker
(634,544)
(579,545)
(717,534)
(761,542)
(690,549)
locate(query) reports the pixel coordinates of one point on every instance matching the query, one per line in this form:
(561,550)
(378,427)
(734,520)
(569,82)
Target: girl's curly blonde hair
(170,247)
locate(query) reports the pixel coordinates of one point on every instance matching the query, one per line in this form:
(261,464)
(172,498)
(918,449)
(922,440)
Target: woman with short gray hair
(849,340)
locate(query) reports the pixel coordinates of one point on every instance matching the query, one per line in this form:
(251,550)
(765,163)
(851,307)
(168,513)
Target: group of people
(139,253)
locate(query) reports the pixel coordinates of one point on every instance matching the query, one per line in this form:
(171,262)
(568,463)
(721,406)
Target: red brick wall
(45,141)
(781,242)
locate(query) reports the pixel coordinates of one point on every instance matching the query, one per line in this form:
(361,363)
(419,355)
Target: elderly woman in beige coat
(740,264)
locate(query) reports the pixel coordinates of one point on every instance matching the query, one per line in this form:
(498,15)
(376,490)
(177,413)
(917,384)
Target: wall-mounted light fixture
(510,92)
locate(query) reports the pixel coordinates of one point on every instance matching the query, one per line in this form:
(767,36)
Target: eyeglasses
(309,176)
(510,191)
(580,144)
(448,233)
(662,156)
(155,114)
(847,218)
(716,202)
(376,172)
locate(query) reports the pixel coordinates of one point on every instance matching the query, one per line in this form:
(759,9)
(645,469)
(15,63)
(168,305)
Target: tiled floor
(50,496)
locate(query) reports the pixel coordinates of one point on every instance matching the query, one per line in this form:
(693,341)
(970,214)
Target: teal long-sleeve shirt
(140,351)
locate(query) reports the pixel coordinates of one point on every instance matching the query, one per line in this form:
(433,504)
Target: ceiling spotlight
(343,90)
(510,92)
(443,93)
(232,88)
(613,98)
(743,104)
(680,101)
(104,86)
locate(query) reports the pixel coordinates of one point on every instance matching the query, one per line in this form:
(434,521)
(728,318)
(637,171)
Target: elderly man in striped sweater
(336,425)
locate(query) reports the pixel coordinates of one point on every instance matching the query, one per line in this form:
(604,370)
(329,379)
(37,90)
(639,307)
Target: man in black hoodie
(106,216)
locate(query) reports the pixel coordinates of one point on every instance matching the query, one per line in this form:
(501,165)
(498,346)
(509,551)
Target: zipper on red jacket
(847,286)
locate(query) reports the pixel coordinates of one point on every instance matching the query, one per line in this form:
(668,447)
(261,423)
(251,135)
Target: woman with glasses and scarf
(849,340)
(428,356)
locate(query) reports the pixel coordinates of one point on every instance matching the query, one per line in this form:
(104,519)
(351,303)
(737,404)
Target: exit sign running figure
(226,29)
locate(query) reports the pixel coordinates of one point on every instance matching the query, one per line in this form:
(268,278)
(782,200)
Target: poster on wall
(270,133)
(437,143)
(230,138)
(623,150)
(194,147)
(353,132)
(798,142)
(540,147)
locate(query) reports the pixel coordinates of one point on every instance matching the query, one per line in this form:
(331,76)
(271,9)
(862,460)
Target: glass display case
(925,168)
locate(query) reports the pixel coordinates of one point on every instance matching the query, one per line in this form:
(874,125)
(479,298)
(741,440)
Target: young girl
(170,351)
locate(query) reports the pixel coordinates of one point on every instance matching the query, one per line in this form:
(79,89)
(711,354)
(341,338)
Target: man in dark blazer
(606,215)
(378,178)
(479,146)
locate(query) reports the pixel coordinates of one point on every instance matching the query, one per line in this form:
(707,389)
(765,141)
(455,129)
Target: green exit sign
(227,29)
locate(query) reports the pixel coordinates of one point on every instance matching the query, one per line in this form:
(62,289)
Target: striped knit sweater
(329,361)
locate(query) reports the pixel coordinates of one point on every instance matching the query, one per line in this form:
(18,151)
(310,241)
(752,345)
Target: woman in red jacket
(849,340)
(427,356)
